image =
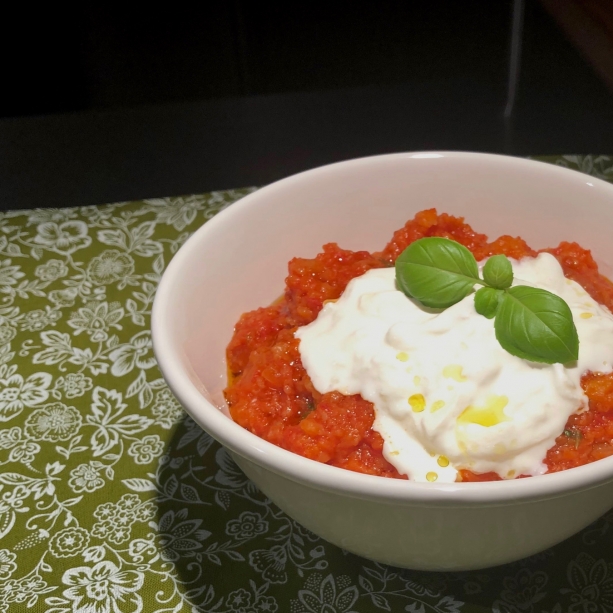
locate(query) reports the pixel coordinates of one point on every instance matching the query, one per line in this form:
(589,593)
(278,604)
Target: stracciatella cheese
(447,396)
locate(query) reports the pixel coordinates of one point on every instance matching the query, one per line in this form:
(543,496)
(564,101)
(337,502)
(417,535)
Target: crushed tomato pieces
(271,395)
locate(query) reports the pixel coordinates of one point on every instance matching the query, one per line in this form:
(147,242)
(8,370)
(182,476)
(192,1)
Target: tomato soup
(271,394)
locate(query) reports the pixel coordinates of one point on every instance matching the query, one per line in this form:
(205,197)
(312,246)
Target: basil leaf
(498,272)
(437,272)
(487,300)
(536,325)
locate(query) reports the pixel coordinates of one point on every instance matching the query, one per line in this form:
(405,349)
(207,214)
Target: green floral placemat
(111,501)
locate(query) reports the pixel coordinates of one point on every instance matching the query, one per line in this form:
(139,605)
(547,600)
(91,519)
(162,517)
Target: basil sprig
(529,322)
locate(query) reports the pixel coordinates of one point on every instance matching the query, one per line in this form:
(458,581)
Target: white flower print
(178,536)
(69,542)
(600,166)
(53,422)
(7,564)
(144,549)
(110,266)
(64,297)
(229,475)
(38,216)
(65,237)
(32,540)
(103,588)
(7,333)
(16,394)
(328,598)
(73,385)
(24,452)
(37,320)
(51,270)
(9,315)
(25,590)
(9,437)
(86,477)
(139,353)
(591,585)
(177,212)
(96,319)
(9,275)
(247,526)
(167,409)
(116,519)
(147,449)
(21,450)
(270,563)
(94,554)
(522,591)
(107,415)
(239,601)
(266,604)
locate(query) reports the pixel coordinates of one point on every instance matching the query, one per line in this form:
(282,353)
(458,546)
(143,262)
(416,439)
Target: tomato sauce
(271,395)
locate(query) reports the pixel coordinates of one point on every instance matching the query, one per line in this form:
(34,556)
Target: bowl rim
(322,476)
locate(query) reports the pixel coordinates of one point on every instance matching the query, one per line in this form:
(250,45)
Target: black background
(96,56)
(104,104)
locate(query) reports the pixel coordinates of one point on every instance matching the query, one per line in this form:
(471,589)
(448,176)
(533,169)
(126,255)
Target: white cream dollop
(446,395)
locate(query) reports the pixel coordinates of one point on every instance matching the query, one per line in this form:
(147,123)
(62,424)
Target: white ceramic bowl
(238,261)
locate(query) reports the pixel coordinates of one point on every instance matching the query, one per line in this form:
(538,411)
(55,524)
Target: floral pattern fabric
(112,501)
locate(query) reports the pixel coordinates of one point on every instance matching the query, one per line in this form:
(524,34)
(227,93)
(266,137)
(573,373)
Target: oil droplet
(490,415)
(585,315)
(454,371)
(329,301)
(443,461)
(417,402)
(510,474)
(431,476)
(403,356)
(416,380)
(500,448)
(394,452)
(439,404)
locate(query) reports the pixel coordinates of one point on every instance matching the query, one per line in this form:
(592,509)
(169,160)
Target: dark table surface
(108,156)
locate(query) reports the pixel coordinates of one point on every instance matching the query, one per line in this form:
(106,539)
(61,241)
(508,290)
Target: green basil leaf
(437,272)
(487,300)
(536,325)
(498,272)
